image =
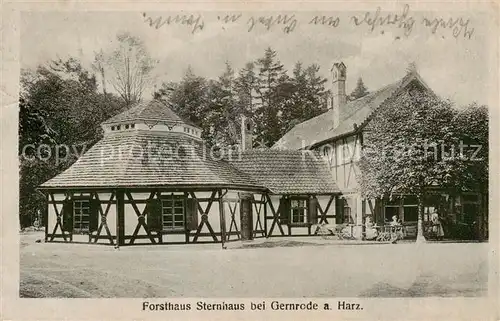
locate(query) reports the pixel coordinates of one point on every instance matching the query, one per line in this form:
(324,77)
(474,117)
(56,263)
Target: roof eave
(350,133)
(144,187)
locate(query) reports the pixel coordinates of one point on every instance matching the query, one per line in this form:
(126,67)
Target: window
(410,200)
(410,208)
(173,211)
(132,125)
(112,127)
(118,127)
(126,126)
(298,210)
(391,211)
(472,198)
(410,214)
(81,212)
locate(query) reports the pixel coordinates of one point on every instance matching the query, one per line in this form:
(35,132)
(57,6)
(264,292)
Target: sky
(457,66)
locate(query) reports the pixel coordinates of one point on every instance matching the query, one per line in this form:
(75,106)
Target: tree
(189,98)
(359,91)
(306,99)
(223,112)
(262,90)
(98,66)
(269,94)
(59,118)
(129,67)
(470,155)
(412,67)
(402,153)
(244,87)
(165,92)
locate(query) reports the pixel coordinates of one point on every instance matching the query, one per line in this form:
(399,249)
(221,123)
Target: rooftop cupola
(152,115)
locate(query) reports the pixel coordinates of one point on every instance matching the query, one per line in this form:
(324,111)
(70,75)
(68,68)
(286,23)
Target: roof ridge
(356,114)
(355,100)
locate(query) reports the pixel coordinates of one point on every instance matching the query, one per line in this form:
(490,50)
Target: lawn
(288,270)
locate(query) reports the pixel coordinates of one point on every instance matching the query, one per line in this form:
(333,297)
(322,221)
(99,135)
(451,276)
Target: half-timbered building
(339,135)
(151,179)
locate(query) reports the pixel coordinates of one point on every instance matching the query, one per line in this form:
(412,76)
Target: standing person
(437,227)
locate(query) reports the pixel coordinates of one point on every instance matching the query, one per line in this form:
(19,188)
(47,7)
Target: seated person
(395,221)
(370,232)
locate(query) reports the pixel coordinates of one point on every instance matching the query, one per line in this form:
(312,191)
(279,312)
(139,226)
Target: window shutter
(339,210)
(67,213)
(94,215)
(284,210)
(191,214)
(312,211)
(153,214)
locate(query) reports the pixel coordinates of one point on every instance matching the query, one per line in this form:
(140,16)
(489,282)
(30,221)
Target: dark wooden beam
(120,217)
(46,217)
(264,197)
(141,220)
(259,210)
(104,215)
(222,217)
(204,216)
(246,216)
(275,216)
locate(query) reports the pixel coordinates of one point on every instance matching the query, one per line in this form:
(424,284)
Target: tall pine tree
(271,74)
(359,91)
(189,98)
(306,96)
(223,112)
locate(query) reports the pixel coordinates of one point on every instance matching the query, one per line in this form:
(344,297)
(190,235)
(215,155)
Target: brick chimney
(246,133)
(339,96)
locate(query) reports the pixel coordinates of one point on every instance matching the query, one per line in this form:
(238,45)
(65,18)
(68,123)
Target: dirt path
(79,270)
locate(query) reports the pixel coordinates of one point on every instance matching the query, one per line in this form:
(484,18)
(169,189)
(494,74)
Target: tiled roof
(145,159)
(356,112)
(155,159)
(287,171)
(153,110)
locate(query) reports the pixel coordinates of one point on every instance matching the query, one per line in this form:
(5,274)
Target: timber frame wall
(268,217)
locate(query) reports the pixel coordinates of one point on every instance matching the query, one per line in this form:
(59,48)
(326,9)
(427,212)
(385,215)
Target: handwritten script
(371,21)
